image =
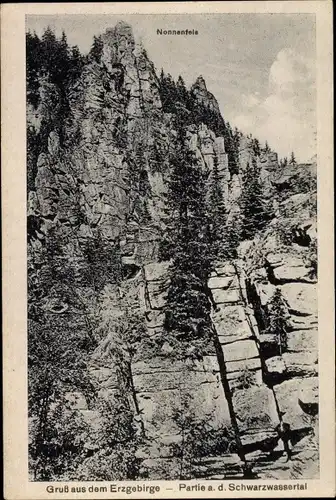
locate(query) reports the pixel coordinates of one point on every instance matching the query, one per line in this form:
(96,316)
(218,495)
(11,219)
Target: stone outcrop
(242,387)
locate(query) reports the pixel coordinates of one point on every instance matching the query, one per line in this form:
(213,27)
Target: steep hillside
(172,270)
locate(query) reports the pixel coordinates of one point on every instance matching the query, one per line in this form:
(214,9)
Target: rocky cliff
(97,187)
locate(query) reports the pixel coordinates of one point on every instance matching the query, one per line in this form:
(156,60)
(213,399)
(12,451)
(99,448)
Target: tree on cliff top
(96,49)
(292,160)
(185,242)
(255,209)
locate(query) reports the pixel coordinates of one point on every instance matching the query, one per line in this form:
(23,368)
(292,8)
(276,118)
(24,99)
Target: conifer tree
(223,234)
(33,66)
(168,93)
(181,91)
(256,147)
(277,320)
(77,63)
(115,443)
(254,209)
(96,49)
(186,243)
(292,160)
(267,149)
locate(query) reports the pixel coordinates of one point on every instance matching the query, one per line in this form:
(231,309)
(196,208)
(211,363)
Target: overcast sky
(260,67)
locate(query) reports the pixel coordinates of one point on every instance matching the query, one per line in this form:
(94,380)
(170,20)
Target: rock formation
(101,176)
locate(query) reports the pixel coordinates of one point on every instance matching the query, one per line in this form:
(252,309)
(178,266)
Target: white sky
(260,67)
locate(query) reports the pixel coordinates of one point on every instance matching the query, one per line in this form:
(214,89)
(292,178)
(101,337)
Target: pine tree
(186,243)
(277,320)
(33,67)
(49,51)
(254,209)
(256,147)
(58,351)
(96,49)
(115,442)
(181,91)
(103,262)
(235,149)
(292,160)
(168,93)
(76,64)
(267,149)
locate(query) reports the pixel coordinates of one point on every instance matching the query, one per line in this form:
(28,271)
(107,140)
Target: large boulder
(288,394)
(293,273)
(223,282)
(302,340)
(157,293)
(224,270)
(164,389)
(241,350)
(300,297)
(275,366)
(255,409)
(156,271)
(285,267)
(227,334)
(230,296)
(301,364)
(308,397)
(257,417)
(231,323)
(309,322)
(265,291)
(239,368)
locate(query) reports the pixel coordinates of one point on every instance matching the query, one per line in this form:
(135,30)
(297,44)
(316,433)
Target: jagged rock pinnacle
(200,83)
(124,29)
(121,33)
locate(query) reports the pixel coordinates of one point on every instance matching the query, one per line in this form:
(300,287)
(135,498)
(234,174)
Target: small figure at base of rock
(248,471)
(284,433)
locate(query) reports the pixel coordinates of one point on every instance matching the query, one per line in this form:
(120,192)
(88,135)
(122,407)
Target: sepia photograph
(171,264)
(172,247)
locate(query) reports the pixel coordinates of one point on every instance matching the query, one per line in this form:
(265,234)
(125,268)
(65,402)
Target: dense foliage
(256,209)
(53,59)
(177,99)
(197,438)
(186,243)
(113,443)
(52,68)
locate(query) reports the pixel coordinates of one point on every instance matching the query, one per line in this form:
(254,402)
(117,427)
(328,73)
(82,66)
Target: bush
(115,441)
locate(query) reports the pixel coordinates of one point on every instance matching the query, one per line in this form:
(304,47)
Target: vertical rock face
(203,96)
(91,182)
(116,109)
